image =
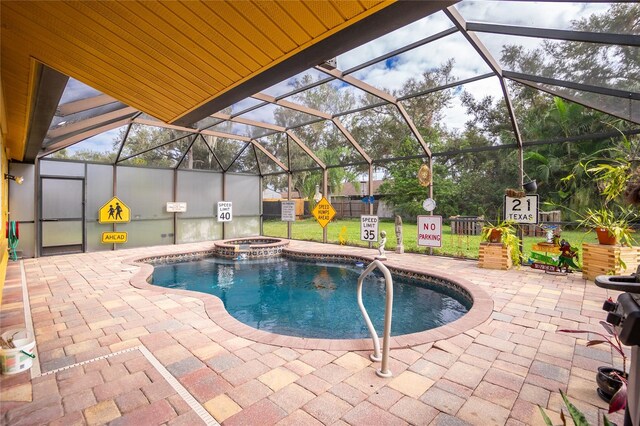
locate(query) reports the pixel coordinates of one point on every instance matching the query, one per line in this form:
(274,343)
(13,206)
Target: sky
(390,75)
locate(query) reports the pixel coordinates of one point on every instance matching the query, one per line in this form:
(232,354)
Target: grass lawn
(452,245)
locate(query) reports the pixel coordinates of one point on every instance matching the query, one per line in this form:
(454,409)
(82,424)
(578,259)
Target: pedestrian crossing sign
(114,211)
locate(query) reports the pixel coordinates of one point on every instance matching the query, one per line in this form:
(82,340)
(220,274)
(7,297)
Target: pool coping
(480,311)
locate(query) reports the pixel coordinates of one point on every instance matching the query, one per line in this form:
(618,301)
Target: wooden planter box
(494,256)
(599,259)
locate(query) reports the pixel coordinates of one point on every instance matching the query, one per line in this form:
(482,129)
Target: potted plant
(611,381)
(612,227)
(504,232)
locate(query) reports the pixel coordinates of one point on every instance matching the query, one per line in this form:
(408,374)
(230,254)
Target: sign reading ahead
(369,228)
(176,207)
(288,211)
(430,231)
(521,210)
(114,237)
(114,211)
(323,212)
(225,213)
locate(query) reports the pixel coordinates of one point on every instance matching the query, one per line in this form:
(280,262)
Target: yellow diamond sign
(323,212)
(114,211)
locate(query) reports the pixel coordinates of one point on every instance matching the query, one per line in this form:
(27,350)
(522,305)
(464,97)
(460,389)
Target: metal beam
(351,140)
(413,128)
(273,158)
(383,95)
(359,84)
(447,86)
(567,35)
(81,136)
(237,156)
(292,105)
(473,39)
(386,19)
(584,102)
(48,89)
(78,126)
(186,152)
(477,44)
(215,157)
(85,104)
(144,151)
(306,149)
(625,94)
(402,50)
(248,122)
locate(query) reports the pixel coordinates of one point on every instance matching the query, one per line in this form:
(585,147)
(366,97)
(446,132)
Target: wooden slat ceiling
(170,59)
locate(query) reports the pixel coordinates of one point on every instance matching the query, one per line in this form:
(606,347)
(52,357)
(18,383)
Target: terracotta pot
(608,384)
(495,236)
(604,237)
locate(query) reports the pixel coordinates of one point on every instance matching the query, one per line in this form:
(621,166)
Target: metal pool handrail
(384,368)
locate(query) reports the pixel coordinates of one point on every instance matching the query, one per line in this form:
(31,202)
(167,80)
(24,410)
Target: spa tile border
(479,312)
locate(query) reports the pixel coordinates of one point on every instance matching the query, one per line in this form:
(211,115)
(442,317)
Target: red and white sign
(430,231)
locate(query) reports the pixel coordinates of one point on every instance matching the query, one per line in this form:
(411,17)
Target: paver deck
(87,315)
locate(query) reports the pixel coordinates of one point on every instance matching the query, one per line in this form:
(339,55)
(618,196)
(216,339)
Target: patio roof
(277,119)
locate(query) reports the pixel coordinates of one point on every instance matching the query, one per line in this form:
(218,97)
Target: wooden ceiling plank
(158,21)
(98,45)
(164,46)
(162,53)
(326,13)
(252,33)
(238,41)
(49,53)
(277,14)
(212,41)
(297,9)
(269,29)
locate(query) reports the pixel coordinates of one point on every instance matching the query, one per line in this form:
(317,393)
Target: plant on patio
(504,232)
(612,382)
(577,416)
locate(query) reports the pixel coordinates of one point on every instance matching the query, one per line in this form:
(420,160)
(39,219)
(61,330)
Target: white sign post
(369,228)
(288,211)
(521,210)
(225,213)
(430,231)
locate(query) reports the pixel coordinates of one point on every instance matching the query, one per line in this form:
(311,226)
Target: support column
(175,198)
(325,192)
(370,193)
(289,184)
(224,198)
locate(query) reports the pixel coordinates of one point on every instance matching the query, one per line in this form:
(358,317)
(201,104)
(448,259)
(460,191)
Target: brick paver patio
(86,312)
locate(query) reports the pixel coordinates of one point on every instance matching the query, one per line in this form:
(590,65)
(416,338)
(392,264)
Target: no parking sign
(430,231)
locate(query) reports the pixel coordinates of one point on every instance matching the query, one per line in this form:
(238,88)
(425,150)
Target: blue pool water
(305,299)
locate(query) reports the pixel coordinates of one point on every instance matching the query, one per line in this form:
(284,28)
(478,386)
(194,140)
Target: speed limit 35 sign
(369,228)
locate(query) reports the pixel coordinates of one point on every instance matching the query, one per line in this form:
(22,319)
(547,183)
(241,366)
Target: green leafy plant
(507,228)
(577,416)
(617,222)
(611,338)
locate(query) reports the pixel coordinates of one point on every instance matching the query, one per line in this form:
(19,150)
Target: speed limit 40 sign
(225,213)
(369,228)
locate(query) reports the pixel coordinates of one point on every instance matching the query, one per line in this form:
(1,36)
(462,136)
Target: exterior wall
(4,209)
(146,192)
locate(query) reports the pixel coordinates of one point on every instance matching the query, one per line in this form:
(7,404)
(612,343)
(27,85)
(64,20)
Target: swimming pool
(313,300)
